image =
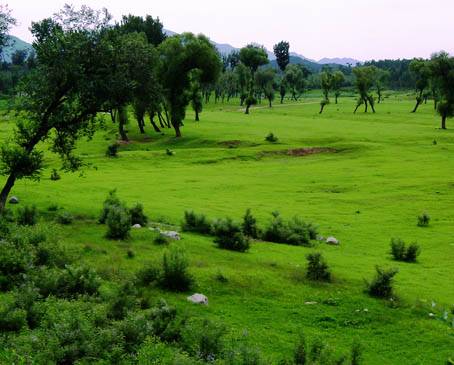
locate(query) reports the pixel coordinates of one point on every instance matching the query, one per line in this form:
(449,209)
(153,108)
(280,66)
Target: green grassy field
(383,172)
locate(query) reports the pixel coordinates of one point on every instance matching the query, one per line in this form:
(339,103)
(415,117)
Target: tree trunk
(336,96)
(322,106)
(416,106)
(271,102)
(6,190)
(161,121)
(176,126)
(121,130)
(141,124)
(357,106)
(197,119)
(443,122)
(365,103)
(247,108)
(155,127)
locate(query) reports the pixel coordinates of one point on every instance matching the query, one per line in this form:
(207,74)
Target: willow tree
(364,80)
(252,57)
(326,83)
(71,83)
(420,69)
(442,70)
(338,81)
(265,81)
(295,79)
(180,55)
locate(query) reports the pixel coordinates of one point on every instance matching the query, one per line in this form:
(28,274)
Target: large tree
(265,81)
(60,98)
(281,51)
(326,83)
(252,57)
(6,22)
(364,80)
(421,72)
(381,81)
(180,55)
(338,82)
(442,69)
(295,79)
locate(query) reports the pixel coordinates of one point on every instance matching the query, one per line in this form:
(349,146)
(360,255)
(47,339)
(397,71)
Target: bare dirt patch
(230,144)
(299,152)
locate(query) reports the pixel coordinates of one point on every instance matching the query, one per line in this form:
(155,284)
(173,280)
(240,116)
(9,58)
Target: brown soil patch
(230,144)
(300,152)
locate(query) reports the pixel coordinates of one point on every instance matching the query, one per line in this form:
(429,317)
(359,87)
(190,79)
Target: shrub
(294,232)
(229,236)
(12,319)
(137,215)
(29,235)
(300,353)
(204,339)
(198,223)
(161,240)
(148,275)
(118,223)
(249,226)
(110,202)
(54,176)
(271,138)
(130,254)
(277,231)
(112,150)
(15,261)
(401,252)
(122,301)
(317,268)
(423,220)
(382,285)
(53,207)
(166,325)
(175,275)
(64,218)
(50,255)
(27,216)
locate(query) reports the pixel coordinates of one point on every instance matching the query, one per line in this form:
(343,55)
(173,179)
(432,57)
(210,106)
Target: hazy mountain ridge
(15,44)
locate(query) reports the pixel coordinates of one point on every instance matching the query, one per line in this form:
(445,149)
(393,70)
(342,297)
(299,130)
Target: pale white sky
(361,29)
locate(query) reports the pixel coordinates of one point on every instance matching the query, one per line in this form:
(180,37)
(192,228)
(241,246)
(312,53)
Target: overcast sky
(330,28)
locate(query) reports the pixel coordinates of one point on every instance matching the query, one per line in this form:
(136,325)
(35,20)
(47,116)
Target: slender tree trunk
(141,124)
(271,102)
(161,120)
(282,99)
(322,106)
(6,190)
(416,106)
(356,109)
(197,119)
(121,130)
(247,108)
(365,103)
(335,97)
(155,127)
(443,122)
(167,117)
(176,126)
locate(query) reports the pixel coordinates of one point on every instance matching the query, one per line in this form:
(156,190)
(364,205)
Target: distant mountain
(339,61)
(15,44)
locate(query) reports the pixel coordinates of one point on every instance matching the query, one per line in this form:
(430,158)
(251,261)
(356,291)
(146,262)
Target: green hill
(15,44)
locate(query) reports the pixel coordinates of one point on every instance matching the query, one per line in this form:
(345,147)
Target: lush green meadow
(384,170)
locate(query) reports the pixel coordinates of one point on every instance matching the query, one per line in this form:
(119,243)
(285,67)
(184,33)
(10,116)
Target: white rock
(172,235)
(332,241)
(198,299)
(310,303)
(14,200)
(136,226)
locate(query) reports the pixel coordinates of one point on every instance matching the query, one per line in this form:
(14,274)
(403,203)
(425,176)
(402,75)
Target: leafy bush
(204,339)
(137,215)
(161,240)
(401,252)
(27,216)
(12,319)
(122,301)
(29,235)
(15,261)
(53,207)
(423,220)
(271,138)
(112,150)
(118,223)
(54,176)
(229,236)
(382,285)
(294,232)
(175,275)
(110,202)
(198,223)
(149,275)
(317,268)
(64,218)
(249,226)
(50,255)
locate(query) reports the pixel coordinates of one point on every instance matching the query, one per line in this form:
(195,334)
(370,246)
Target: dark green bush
(175,274)
(12,319)
(118,223)
(51,255)
(54,176)
(423,220)
(204,339)
(27,216)
(382,285)
(122,301)
(29,235)
(15,262)
(294,232)
(401,252)
(149,275)
(112,150)
(249,225)
(137,215)
(64,218)
(166,325)
(161,240)
(271,138)
(198,223)
(317,268)
(110,202)
(229,236)
(413,251)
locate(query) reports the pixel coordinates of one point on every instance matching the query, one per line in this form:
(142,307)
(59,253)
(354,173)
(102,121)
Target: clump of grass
(118,223)
(271,138)
(317,268)
(294,232)
(161,240)
(401,252)
(229,236)
(249,225)
(382,284)
(137,215)
(197,223)
(112,150)
(54,176)
(64,218)
(175,273)
(423,220)
(27,216)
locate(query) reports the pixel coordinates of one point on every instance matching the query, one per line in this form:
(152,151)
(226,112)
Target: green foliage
(300,354)
(271,138)
(423,220)
(204,339)
(382,285)
(137,215)
(229,236)
(64,218)
(317,268)
(249,226)
(281,51)
(148,275)
(175,274)
(161,240)
(27,216)
(401,252)
(112,150)
(12,319)
(15,261)
(294,232)
(55,176)
(118,223)
(197,223)
(110,202)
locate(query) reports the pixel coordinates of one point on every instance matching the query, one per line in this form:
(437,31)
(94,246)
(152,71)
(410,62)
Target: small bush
(175,275)
(50,255)
(54,176)
(271,138)
(204,339)
(423,220)
(229,236)
(118,223)
(148,275)
(401,252)
(27,216)
(382,285)
(198,223)
(130,254)
(112,150)
(110,202)
(294,232)
(64,218)
(137,215)
(12,319)
(29,235)
(249,226)
(170,152)
(53,207)
(317,268)
(15,261)
(161,240)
